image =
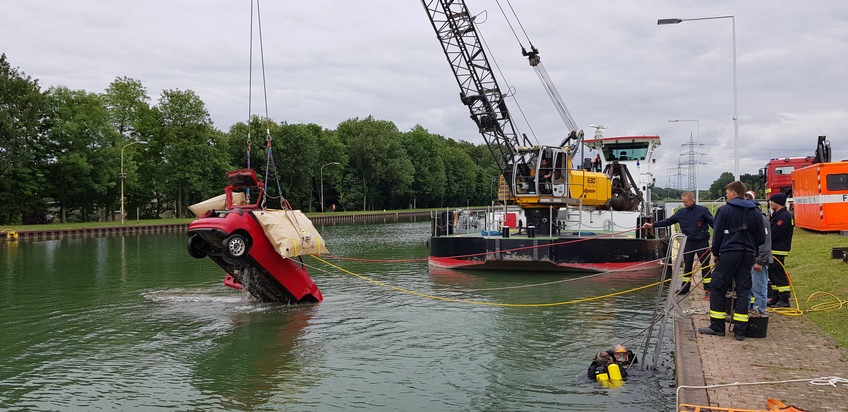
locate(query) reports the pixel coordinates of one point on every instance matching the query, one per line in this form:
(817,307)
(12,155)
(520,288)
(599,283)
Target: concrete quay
(794,348)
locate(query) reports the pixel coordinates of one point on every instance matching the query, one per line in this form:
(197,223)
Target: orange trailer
(821,196)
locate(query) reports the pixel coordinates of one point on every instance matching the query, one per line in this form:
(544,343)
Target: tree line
(61,152)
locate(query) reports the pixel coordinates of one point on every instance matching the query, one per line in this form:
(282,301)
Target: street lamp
(698,136)
(123,176)
(322,183)
(661,22)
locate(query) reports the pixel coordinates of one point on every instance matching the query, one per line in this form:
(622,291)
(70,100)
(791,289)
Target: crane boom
(541,179)
(479,89)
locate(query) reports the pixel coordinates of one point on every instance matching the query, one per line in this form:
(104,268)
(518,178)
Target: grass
(812,271)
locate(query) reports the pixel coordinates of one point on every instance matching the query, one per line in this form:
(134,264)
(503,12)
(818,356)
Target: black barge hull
(574,254)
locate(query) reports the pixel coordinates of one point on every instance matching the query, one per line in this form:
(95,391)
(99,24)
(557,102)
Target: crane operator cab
(543,176)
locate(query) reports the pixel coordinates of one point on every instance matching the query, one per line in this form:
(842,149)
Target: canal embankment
(792,363)
(42,232)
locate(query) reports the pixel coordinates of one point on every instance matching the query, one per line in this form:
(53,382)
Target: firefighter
(739,231)
(695,222)
(782,227)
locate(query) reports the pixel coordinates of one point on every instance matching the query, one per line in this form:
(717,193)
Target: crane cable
(270,163)
(539,68)
(510,90)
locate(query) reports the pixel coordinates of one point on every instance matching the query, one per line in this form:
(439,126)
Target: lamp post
(123,176)
(322,183)
(661,22)
(698,136)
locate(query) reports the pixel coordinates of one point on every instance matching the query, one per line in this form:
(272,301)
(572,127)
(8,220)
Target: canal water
(134,323)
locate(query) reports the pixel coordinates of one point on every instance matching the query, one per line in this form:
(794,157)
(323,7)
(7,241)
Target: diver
(619,355)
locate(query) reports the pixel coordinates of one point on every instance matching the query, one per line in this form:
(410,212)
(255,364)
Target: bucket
(757,327)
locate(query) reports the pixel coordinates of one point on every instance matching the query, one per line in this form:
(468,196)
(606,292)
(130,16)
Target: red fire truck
(777,174)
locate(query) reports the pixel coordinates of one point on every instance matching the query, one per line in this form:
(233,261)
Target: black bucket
(757,327)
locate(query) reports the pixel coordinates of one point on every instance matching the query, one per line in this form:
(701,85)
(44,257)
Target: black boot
(685,289)
(781,300)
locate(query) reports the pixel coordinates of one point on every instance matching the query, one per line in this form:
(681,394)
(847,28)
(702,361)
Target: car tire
(236,246)
(197,247)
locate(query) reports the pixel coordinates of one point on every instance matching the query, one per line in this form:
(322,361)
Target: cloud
(327,61)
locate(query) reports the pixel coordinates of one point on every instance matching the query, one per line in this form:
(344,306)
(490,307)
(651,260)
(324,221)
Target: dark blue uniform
(695,222)
(782,228)
(738,232)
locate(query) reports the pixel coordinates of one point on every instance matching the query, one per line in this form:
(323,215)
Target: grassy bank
(812,270)
(128,222)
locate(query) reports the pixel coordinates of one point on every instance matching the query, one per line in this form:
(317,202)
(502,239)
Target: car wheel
(236,246)
(197,247)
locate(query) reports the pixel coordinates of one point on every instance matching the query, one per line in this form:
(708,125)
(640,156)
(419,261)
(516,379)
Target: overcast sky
(328,61)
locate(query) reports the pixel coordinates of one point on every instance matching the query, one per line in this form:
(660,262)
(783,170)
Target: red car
(234,239)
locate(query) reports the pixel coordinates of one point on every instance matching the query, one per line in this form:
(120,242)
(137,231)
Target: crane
(541,179)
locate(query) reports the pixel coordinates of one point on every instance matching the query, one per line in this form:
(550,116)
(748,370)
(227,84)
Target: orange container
(820,192)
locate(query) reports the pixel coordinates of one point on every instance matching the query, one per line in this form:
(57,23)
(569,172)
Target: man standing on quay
(738,233)
(695,222)
(762,261)
(781,241)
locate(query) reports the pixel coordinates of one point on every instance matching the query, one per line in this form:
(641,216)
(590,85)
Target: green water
(134,323)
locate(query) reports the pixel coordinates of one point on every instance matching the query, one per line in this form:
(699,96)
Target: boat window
(837,182)
(626,151)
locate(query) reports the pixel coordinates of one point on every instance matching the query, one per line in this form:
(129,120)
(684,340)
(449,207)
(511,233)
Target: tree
(126,99)
(377,162)
(22,131)
(717,188)
(134,120)
(83,161)
(193,160)
(424,149)
(462,177)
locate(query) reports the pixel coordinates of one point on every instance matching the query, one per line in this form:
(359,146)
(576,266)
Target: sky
(329,61)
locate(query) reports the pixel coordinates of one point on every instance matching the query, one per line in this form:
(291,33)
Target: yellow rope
(477,302)
(836,304)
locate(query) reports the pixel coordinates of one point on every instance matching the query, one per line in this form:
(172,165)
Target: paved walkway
(794,348)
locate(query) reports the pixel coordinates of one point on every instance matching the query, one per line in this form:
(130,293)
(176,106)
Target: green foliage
(191,148)
(428,187)
(64,148)
(717,188)
(22,156)
(81,142)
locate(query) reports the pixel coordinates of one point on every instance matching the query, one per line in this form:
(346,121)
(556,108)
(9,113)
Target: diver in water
(619,354)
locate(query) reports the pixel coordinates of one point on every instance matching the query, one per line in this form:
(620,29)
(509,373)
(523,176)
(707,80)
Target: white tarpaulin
(216,203)
(291,232)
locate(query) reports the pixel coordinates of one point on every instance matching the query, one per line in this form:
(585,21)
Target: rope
(484,303)
(835,304)
(826,380)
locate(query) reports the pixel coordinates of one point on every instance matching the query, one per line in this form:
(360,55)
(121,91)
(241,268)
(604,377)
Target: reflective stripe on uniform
(780,252)
(714,314)
(739,317)
(783,288)
(706,281)
(686,279)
